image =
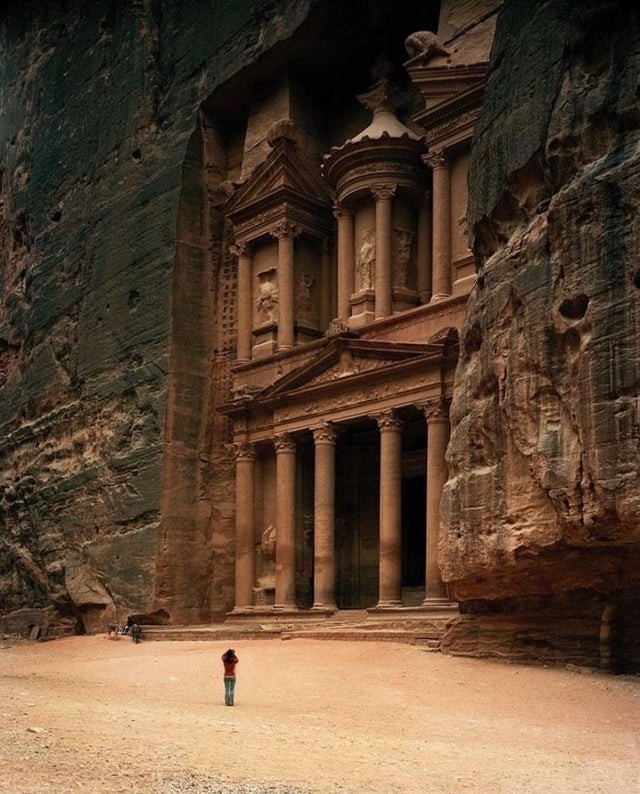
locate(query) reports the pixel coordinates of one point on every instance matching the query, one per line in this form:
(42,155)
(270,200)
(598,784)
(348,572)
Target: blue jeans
(229,687)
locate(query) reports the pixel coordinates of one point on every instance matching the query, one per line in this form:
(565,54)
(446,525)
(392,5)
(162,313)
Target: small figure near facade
(229,660)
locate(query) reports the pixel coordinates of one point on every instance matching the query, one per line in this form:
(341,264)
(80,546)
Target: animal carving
(424,42)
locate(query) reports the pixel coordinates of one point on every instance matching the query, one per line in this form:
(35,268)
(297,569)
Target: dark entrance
(414,500)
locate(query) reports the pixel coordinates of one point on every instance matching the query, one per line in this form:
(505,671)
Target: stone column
(424,254)
(326,282)
(245,524)
(346,261)
(440,166)
(285,447)
(286,233)
(384,233)
(390,509)
(245,303)
(324,555)
(437,417)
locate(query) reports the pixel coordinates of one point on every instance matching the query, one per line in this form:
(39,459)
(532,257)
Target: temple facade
(348,257)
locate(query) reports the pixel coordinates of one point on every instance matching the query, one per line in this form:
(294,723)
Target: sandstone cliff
(98,104)
(541,534)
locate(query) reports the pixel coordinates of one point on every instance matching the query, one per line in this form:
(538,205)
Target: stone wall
(541,511)
(102,230)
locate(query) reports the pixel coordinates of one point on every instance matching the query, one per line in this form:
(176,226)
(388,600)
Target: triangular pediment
(345,361)
(283,177)
(439,85)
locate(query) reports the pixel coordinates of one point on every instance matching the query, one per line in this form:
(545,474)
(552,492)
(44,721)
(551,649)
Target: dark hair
(229,655)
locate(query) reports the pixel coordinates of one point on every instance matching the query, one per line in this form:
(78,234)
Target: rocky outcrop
(541,511)
(99,103)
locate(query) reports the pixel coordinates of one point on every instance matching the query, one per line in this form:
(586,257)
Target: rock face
(98,108)
(541,529)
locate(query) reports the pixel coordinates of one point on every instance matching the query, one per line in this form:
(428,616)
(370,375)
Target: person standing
(229,660)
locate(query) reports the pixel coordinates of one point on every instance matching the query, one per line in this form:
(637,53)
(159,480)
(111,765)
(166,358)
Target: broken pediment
(286,184)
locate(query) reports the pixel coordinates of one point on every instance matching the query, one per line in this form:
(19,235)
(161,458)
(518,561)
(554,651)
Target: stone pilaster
(437,415)
(390,509)
(346,260)
(424,253)
(384,235)
(245,455)
(324,556)
(326,281)
(285,446)
(286,233)
(439,164)
(244,305)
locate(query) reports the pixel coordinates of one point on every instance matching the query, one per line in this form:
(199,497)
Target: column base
(285,608)
(439,297)
(324,609)
(437,601)
(386,604)
(240,611)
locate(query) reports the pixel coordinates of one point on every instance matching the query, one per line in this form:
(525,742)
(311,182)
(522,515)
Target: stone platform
(414,626)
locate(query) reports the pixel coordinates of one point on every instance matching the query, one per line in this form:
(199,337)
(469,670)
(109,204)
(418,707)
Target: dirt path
(96,715)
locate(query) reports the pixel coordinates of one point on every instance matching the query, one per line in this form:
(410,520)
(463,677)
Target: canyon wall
(102,228)
(541,530)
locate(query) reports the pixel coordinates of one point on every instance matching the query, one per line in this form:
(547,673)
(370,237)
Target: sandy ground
(97,715)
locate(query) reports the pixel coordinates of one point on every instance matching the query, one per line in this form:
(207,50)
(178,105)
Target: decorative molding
(245,451)
(383,192)
(388,422)
(324,433)
(436,409)
(286,229)
(284,443)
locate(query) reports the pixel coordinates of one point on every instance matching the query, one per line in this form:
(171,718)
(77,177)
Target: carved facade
(351,278)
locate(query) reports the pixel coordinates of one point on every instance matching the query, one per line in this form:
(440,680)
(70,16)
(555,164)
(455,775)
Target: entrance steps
(423,627)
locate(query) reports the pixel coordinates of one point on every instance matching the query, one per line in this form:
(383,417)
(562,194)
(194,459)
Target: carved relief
(267,300)
(366,261)
(305,303)
(402,266)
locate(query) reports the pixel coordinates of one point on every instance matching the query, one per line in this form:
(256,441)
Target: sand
(91,714)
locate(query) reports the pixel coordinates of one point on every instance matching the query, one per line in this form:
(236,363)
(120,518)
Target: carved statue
(267,300)
(268,543)
(424,42)
(366,262)
(402,264)
(304,301)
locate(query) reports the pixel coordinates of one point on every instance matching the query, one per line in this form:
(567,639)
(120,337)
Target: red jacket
(229,667)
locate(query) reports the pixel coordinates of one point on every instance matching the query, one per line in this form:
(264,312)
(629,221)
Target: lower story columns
(324,555)
(390,593)
(437,417)
(245,517)
(285,446)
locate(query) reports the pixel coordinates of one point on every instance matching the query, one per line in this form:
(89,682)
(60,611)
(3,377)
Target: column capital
(436,409)
(284,442)
(437,159)
(286,229)
(240,248)
(388,422)
(326,433)
(341,211)
(383,192)
(244,450)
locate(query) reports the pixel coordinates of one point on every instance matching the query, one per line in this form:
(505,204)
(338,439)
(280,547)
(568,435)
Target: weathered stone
(544,494)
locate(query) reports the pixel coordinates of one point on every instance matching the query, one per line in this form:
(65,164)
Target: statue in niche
(264,592)
(366,261)
(304,301)
(402,264)
(267,300)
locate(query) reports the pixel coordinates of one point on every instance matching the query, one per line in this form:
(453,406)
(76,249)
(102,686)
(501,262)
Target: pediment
(439,85)
(283,177)
(346,362)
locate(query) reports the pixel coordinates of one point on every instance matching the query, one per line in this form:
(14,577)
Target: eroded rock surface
(541,511)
